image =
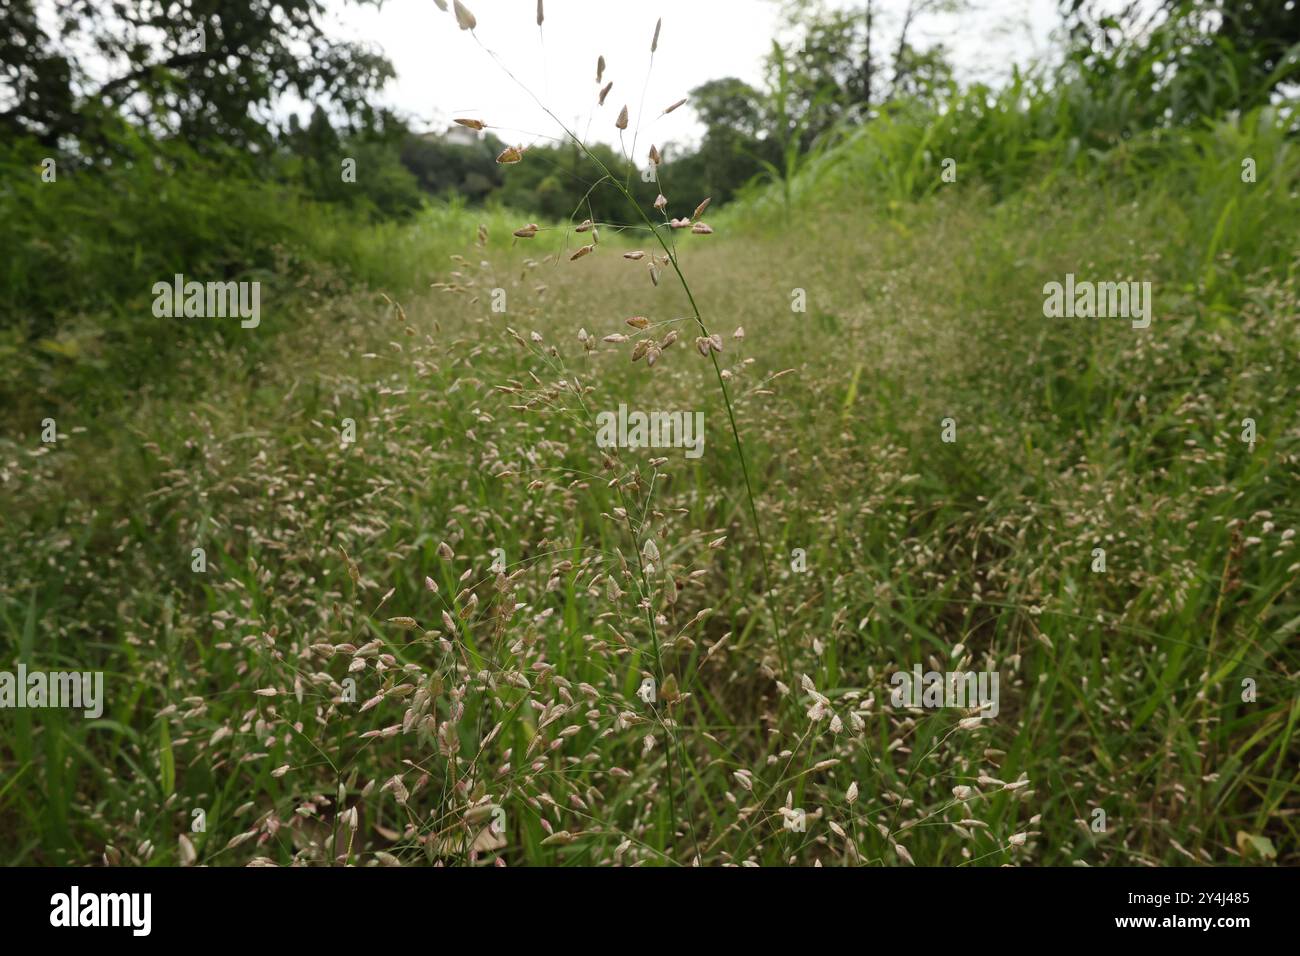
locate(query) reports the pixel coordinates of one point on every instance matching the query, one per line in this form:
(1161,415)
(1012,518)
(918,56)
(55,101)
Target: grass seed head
(622,118)
(463,16)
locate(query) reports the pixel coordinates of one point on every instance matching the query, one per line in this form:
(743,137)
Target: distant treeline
(177,164)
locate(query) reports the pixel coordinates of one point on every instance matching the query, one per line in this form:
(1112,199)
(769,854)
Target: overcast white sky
(443,73)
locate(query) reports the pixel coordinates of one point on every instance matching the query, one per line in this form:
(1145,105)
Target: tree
(208,71)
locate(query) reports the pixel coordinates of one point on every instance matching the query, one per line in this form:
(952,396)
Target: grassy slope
(1119,691)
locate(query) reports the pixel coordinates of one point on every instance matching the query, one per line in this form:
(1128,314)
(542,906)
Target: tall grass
(480,689)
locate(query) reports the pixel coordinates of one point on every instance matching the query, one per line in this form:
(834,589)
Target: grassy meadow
(429,602)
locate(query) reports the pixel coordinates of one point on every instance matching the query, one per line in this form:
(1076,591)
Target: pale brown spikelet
(585,226)
(442,5)
(702,344)
(471,123)
(652,356)
(680,223)
(618,338)
(509,155)
(638,254)
(654,44)
(699,210)
(702,229)
(528,231)
(540,13)
(654,273)
(640,349)
(681,102)
(445,552)
(482,234)
(580,253)
(463,16)
(670,338)
(605,92)
(600,68)
(739,334)
(660,201)
(715,342)
(622,118)
(654,154)
(638,322)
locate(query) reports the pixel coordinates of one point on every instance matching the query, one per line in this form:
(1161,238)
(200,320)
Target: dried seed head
(580,253)
(670,338)
(715,342)
(739,333)
(634,256)
(638,322)
(660,201)
(605,92)
(540,14)
(585,226)
(702,229)
(471,123)
(640,349)
(442,5)
(652,355)
(528,231)
(511,154)
(654,44)
(699,210)
(702,344)
(463,16)
(622,118)
(680,223)
(654,154)
(600,68)
(680,102)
